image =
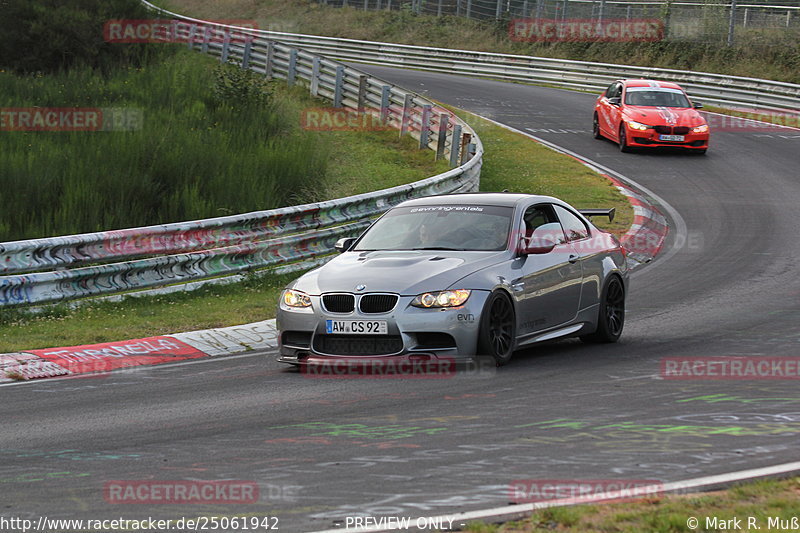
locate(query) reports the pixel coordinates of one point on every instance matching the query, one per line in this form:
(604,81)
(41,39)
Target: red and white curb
(100,359)
(645,238)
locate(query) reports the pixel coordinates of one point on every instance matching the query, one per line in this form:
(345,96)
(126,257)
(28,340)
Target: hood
(407,273)
(665,116)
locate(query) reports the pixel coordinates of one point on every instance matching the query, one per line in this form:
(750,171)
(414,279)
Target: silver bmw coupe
(458,276)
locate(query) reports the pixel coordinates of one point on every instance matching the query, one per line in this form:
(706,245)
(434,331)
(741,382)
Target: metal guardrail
(139,258)
(718,89)
(684,21)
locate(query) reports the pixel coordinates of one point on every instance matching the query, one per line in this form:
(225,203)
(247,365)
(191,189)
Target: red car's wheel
(596,127)
(623,139)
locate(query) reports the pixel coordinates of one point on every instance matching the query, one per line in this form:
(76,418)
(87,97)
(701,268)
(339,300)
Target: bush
(192,157)
(244,87)
(54,35)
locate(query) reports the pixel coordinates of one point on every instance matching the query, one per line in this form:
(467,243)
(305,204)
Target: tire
(498,328)
(611,314)
(623,140)
(596,127)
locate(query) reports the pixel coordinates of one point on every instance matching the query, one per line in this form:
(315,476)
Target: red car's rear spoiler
(598,213)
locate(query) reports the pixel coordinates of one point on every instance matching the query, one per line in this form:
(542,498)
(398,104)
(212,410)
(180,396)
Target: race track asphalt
(325,449)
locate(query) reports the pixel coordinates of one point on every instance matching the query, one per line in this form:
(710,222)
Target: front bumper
(651,138)
(411,331)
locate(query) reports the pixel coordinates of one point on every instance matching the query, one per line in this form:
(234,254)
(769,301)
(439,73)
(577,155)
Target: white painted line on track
(509,512)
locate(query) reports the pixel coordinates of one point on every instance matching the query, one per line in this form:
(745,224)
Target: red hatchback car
(646,113)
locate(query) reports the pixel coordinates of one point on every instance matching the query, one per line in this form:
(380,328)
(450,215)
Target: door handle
(573,258)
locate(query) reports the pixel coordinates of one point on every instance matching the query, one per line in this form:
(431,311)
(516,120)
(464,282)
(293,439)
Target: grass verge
(213,141)
(99,321)
(757,53)
(773,506)
(516,163)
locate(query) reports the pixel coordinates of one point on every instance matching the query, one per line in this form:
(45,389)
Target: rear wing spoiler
(589,213)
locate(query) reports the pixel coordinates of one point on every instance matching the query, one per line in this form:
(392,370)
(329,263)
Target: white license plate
(357,327)
(671,138)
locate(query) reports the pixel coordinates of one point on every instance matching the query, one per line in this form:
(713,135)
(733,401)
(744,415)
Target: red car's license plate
(670,137)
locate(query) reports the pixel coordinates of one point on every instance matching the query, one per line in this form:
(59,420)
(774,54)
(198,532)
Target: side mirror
(543,246)
(544,239)
(698,105)
(344,244)
(616,100)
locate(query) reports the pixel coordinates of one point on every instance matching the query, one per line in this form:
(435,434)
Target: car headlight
(700,129)
(637,125)
(441,298)
(296,298)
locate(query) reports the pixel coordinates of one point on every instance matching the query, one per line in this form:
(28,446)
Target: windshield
(440,227)
(656,97)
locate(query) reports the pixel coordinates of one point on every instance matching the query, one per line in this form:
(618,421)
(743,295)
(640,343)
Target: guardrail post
(498,9)
(386,93)
(270,61)
(538,8)
(564,11)
(362,92)
(291,73)
(389,5)
(458,8)
(406,118)
(248,47)
(788,18)
(466,142)
(455,145)
(469,8)
(444,120)
(338,87)
(438,9)
(226,48)
(366,5)
(378,7)
(315,76)
(732,23)
(426,126)
(206,38)
(190,38)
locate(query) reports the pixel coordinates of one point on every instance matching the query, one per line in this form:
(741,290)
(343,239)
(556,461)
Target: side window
(538,215)
(614,90)
(574,227)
